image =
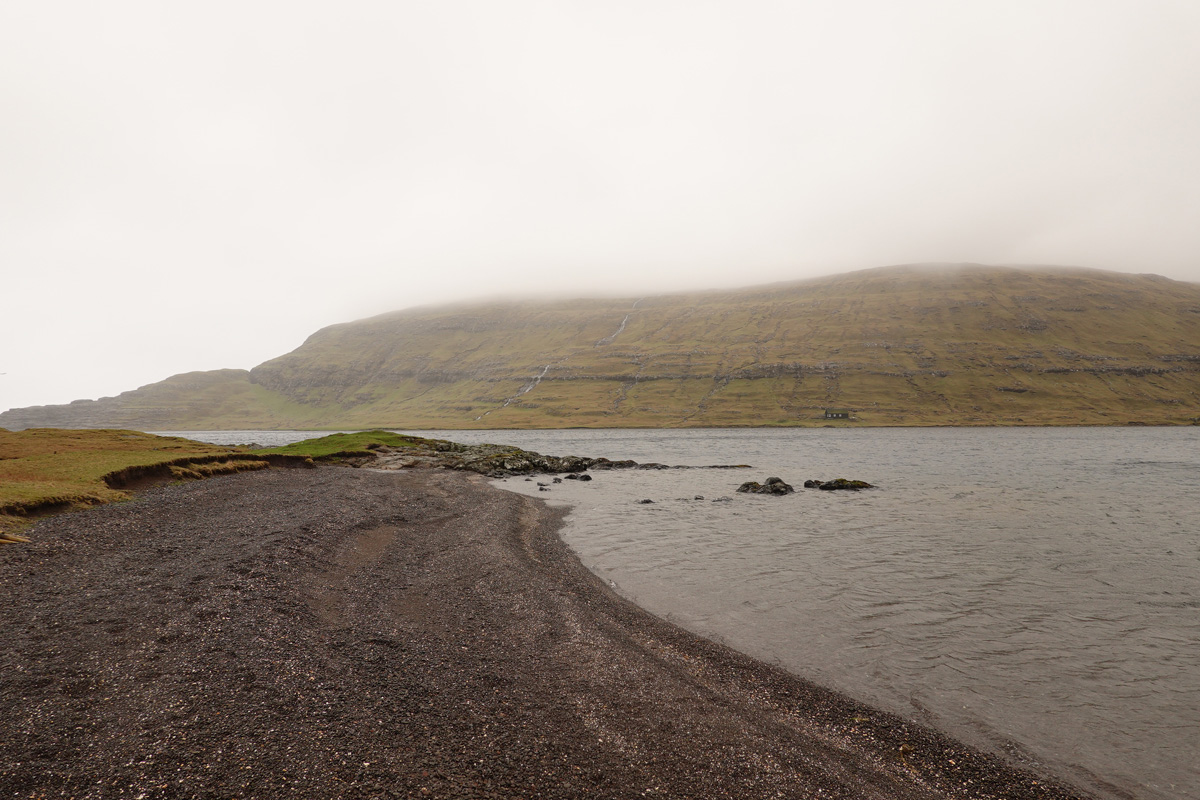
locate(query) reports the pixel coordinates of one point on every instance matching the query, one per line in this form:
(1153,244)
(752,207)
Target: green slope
(907,345)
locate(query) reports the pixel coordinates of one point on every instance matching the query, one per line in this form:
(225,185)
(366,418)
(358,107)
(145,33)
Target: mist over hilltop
(196,187)
(905,345)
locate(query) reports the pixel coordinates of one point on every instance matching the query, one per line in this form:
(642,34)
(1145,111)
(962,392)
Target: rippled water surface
(259,438)
(1033,591)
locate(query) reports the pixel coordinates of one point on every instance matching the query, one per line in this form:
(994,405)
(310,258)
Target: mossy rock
(844,484)
(775,486)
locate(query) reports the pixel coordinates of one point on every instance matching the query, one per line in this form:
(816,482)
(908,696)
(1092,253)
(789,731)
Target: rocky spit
(492,460)
(354,633)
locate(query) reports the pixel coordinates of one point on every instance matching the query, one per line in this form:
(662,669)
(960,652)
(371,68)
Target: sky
(191,186)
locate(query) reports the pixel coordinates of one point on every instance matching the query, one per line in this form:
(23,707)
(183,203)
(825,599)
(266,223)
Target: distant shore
(354,633)
(905,345)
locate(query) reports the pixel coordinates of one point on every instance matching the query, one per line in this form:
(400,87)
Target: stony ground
(340,633)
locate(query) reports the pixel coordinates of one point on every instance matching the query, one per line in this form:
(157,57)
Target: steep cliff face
(898,345)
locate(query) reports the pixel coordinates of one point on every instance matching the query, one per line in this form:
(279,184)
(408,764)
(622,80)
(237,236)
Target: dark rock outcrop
(492,460)
(844,484)
(772,486)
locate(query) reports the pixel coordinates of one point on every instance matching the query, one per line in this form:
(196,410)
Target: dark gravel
(353,633)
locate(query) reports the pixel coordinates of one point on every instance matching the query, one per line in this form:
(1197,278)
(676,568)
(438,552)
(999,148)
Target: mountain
(907,345)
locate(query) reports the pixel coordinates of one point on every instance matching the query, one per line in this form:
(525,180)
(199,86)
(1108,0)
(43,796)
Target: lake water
(1033,591)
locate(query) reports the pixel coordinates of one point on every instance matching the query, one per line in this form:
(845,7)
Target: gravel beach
(347,633)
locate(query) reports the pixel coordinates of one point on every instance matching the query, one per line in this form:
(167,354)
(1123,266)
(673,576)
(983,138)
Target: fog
(197,186)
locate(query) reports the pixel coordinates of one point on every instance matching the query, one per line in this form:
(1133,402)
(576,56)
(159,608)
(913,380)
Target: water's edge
(1029,591)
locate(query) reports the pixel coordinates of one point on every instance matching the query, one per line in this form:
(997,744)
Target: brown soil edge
(143,476)
(241,636)
(139,477)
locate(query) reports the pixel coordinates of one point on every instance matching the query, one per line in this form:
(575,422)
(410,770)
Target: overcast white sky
(201,185)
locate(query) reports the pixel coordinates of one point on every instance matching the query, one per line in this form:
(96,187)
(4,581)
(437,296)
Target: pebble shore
(354,633)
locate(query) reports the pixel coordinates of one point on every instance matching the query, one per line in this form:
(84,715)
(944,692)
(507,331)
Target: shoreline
(356,633)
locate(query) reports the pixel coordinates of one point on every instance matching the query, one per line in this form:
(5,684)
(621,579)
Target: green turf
(44,468)
(337,443)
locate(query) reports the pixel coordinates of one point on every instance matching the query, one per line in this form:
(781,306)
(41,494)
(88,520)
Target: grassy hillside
(202,400)
(895,346)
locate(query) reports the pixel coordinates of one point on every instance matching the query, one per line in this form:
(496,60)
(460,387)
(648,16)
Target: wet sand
(354,633)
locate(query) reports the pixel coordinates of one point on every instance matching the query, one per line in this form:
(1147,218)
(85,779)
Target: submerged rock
(842,483)
(604,463)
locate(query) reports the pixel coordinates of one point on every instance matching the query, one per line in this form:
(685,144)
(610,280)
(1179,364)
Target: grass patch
(43,470)
(343,445)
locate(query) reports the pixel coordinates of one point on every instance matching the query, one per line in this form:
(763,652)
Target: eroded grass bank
(50,470)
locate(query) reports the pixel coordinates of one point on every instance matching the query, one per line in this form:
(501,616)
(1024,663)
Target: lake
(1032,591)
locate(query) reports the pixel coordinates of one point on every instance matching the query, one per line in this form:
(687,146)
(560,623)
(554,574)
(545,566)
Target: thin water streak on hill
(909,345)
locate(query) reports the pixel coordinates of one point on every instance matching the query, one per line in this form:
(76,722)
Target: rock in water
(772,486)
(777,486)
(842,483)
